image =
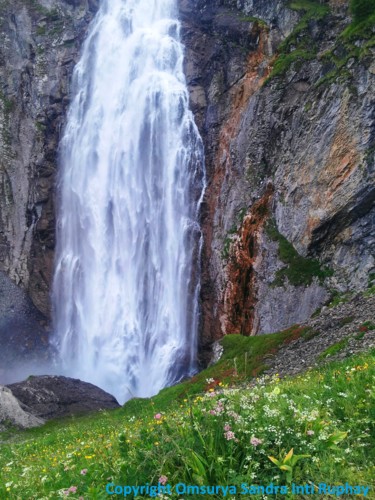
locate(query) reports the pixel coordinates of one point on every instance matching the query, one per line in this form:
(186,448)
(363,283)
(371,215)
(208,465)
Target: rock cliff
(40,45)
(284,98)
(283,94)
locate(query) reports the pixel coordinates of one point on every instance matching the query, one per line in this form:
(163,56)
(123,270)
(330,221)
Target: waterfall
(126,281)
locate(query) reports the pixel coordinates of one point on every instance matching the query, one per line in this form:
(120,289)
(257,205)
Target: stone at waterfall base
(12,413)
(31,402)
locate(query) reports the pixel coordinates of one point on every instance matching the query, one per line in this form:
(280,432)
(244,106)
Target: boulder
(11,412)
(51,397)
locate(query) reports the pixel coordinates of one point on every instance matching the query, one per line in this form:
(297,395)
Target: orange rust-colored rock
(240,95)
(240,293)
(338,175)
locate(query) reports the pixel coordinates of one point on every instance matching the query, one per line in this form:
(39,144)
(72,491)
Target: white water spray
(126,281)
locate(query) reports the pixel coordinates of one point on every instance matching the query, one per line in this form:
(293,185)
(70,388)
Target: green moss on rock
(298,270)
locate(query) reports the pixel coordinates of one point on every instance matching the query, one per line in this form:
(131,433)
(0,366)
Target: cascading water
(126,280)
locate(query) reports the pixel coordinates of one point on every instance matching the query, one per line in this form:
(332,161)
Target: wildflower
(163,480)
(255,441)
(229,435)
(157,416)
(72,489)
(310,433)
(227,427)
(84,472)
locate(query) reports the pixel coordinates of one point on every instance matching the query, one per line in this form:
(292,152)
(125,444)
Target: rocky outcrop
(40,45)
(284,104)
(336,333)
(49,397)
(12,414)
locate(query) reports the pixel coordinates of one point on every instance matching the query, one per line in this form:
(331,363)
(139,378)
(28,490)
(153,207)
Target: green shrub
(362,9)
(299,270)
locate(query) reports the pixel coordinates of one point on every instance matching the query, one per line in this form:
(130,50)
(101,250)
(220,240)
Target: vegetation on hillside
(354,42)
(226,433)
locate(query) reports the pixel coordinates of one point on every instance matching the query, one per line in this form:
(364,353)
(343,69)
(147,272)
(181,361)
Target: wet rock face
(311,140)
(50,397)
(24,329)
(42,46)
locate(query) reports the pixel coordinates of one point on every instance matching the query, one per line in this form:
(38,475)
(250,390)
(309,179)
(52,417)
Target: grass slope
(215,429)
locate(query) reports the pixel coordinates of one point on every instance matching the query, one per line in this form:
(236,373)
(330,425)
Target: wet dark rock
(50,397)
(12,413)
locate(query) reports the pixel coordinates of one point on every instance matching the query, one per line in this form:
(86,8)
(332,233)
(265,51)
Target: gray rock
(40,45)
(51,397)
(312,141)
(11,412)
(344,324)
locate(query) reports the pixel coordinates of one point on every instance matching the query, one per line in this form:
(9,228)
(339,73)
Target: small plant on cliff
(299,270)
(362,10)
(298,46)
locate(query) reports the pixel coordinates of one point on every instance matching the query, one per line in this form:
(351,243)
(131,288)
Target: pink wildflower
(229,435)
(212,412)
(84,472)
(157,416)
(72,489)
(234,415)
(163,480)
(227,427)
(310,433)
(255,441)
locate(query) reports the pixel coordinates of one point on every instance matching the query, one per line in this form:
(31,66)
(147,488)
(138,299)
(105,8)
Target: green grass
(334,349)
(367,326)
(285,61)
(242,359)
(299,270)
(363,12)
(223,435)
(299,47)
(256,20)
(339,298)
(346,321)
(355,42)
